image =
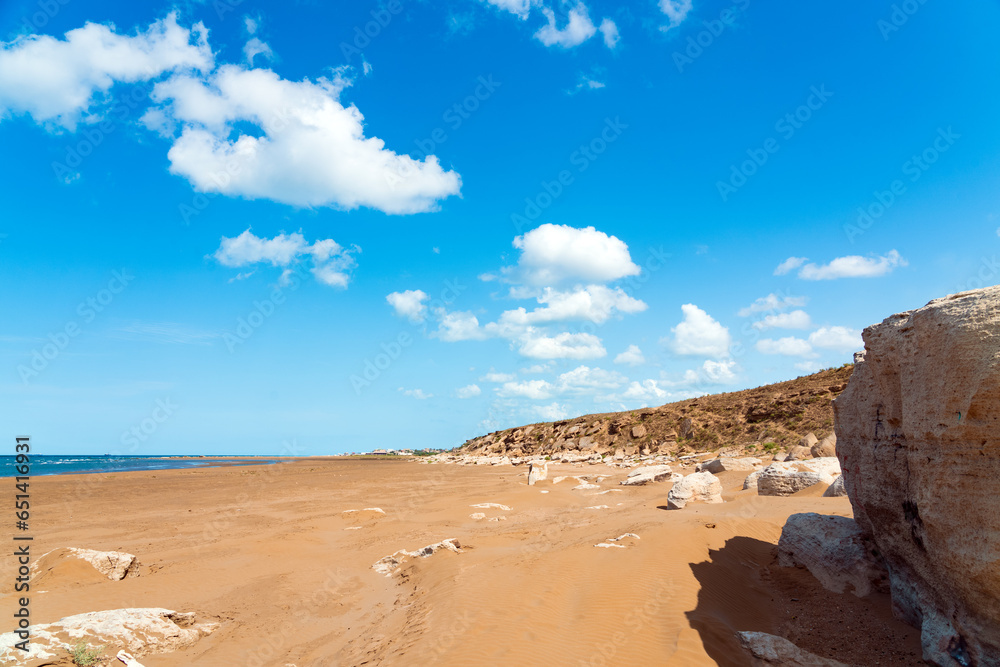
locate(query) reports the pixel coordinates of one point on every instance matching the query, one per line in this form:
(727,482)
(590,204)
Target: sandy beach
(274,556)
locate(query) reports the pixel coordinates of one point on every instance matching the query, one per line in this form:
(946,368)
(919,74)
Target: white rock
(478,516)
(141,630)
(389,565)
(836,489)
(115,565)
(491,506)
(537,472)
(649,474)
(699,486)
(783,479)
(586,486)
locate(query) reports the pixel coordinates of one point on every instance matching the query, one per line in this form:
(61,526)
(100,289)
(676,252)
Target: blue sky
(251,227)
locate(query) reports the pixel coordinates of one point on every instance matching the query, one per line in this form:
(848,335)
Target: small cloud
(853,266)
(789,265)
(552,412)
(418,394)
(610,32)
(840,339)
(470,391)
(578,29)
(797,319)
(498,378)
(788,346)
(773,302)
(366,66)
(409,304)
(436,250)
(699,335)
(632,356)
(676,11)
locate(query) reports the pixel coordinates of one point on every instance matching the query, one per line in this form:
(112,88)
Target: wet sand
(269,552)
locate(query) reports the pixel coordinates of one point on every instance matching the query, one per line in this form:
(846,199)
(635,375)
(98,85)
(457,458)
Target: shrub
(84,656)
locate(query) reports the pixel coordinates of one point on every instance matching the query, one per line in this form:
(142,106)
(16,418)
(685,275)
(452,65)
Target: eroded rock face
(784,479)
(918,437)
(825,447)
(115,565)
(649,474)
(700,486)
(833,550)
(537,472)
(140,631)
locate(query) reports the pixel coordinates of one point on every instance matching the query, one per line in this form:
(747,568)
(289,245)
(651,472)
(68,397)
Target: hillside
(764,419)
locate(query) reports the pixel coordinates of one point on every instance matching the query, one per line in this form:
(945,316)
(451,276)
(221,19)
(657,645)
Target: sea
(79,464)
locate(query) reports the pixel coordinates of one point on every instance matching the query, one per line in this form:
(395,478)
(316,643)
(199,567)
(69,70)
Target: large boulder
(537,471)
(918,436)
(700,486)
(784,479)
(826,447)
(143,631)
(833,550)
(799,453)
(808,440)
(728,463)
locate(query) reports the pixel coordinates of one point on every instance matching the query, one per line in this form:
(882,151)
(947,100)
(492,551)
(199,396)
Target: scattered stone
(491,506)
(478,516)
(833,550)
(597,507)
(142,631)
(798,453)
(585,486)
(115,565)
(837,489)
(611,541)
(648,474)
(917,434)
(638,432)
(537,472)
(826,447)
(808,441)
(699,486)
(729,464)
(389,565)
(766,650)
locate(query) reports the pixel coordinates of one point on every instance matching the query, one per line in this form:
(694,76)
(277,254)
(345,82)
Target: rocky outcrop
(700,486)
(766,650)
(649,474)
(834,551)
(389,565)
(141,631)
(728,464)
(918,436)
(115,565)
(799,453)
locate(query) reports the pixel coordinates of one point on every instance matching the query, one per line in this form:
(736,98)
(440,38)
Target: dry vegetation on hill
(764,419)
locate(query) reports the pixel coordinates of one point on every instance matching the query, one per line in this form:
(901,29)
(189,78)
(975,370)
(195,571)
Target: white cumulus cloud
(632,356)
(409,304)
(62,80)
(789,265)
(534,389)
(593,303)
(610,32)
(563,345)
(773,302)
(470,391)
(578,29)
(584,379)
(839,339)
(496,377)
(551,254)
(331,262)
(796,319)
(307,149)
(552,411)
(853,266)
(676,11)
(699,335)
(789,346)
